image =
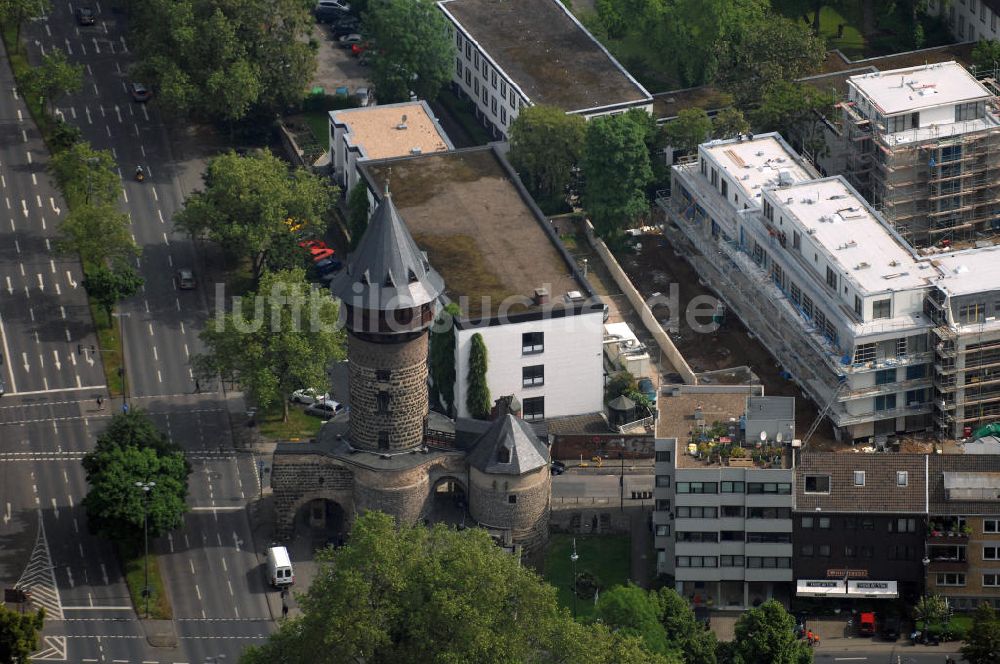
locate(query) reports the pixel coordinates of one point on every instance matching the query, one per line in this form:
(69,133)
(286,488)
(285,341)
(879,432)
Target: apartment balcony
(948,566)
(848,419)
(889,362)
(946,538)
(885,388)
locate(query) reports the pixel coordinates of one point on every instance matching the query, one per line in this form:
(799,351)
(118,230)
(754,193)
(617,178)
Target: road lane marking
(159,213)
(108,130)
(29,156)
(178,302)
(225,568)
(186,353)
(159,376)
(142,150)
(197,590)
(156,357)
(69,48)
(97,92)
(55,209)
(145,112)
(191,563)
(118,112)
(69,278)
(150,328)
(86,109)
(97,48)
(55,355)
(104,574)
(24,135)
(230,584)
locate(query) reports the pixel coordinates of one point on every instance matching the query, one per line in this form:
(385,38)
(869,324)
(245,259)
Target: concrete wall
(635,299)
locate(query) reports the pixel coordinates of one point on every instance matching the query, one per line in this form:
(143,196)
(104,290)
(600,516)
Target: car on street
(328,266)
(185,279)
(85,16)
(308,396)
(324,409)
(363,95)
(347,41)
(647,390)
(336,5)
(558,467)
(891,628)
(318,255)
(139,92)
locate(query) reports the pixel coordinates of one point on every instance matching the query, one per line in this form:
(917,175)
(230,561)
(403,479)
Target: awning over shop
(882,589)
(818,588)
(853,588)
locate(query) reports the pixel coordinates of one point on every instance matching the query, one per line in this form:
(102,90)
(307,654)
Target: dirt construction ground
(653,269)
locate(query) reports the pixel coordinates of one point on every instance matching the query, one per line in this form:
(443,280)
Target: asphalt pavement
(50,416)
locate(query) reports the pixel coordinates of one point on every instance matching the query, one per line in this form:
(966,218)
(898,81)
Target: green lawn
(132,562)
(298,427)
(319,125)
(605,557)
(851,43)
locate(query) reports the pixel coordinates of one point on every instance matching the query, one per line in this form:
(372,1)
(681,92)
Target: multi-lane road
(50,416)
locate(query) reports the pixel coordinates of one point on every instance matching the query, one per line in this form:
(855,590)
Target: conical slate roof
(509,447)
(621,402)
(387,271)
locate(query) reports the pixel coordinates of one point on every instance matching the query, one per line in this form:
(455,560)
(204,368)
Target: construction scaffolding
(935,185)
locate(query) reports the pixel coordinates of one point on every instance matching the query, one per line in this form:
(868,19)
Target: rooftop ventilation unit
(402,123)
(861,266)
(837,197)
(759,153)
(785,177)
(415,151)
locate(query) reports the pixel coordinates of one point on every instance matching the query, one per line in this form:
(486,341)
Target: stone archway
(449,500)
(317,514)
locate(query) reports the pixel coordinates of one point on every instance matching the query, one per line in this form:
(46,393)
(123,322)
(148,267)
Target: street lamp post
(146,487)
(574,557)
(121,369)
(621,480)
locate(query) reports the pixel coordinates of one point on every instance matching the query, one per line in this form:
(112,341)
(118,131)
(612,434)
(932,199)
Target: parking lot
(335,67)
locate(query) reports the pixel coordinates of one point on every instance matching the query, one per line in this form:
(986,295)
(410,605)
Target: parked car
(358,49)
(308,396)
(891,628)
(345,27)
(866,624)
(363,95)
(185,279)
(338,5)
(318,255)
(324,409)
(328,266)
(139,92)
(85,16)
(558,467)
(347,41)
(647,390)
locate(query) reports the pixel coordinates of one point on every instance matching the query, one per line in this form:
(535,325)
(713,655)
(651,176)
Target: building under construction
(923,145)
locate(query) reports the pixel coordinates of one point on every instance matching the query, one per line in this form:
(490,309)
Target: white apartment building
(723,528)
(381,132)
(514,282)
(810,269)
(518,53)
(964,303)
(922,144)
(970,20)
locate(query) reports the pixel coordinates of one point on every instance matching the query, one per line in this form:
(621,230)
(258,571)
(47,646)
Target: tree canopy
(982,643)
(132,450)
(19,634)
(771,50)
(477,397)
(220,60)
(691,128)
(766,635)
(797,111)
(729,123)
(85,175)
(545,146)
(274,341)
(358,207)
(98,233)
(986,56)
(442,357)
(401,594)
(617,170)
(246,201)
(414,50)
(16,12)
(55,76)
(110,285)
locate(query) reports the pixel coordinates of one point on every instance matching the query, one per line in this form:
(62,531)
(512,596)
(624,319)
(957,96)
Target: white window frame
(859,478)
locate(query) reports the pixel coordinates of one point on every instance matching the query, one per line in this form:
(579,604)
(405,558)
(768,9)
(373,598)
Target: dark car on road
(345,28)
(558,467)
(85,16)
(139,92)
(891,628)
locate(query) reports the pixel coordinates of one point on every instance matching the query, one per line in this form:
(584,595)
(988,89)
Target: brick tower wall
(297,479)
(405,388)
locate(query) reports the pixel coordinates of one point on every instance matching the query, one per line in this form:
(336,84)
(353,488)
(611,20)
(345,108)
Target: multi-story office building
(923,145)
(723,513)
(519,53)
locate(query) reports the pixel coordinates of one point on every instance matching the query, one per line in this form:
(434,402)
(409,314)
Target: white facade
(570,354)
(496,94)
(970,20)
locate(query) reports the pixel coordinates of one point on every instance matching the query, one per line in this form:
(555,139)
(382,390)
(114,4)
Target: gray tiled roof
(961,463)
(771,408)
(526,451)
(880,492)
(387,271)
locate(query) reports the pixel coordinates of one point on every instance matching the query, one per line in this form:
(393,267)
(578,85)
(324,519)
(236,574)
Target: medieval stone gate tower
(380,454)
(388,290)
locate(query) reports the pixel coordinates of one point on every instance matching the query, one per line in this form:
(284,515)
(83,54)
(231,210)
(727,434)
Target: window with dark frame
(533,376)
(817,484)
(533,408)
(532,342)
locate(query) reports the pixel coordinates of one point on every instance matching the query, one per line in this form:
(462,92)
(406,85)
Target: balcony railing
(948,566)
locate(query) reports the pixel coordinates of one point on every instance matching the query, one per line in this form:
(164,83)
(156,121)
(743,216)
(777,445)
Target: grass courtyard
(603,558)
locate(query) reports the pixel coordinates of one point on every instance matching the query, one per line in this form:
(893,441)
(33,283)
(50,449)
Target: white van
(279,567)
